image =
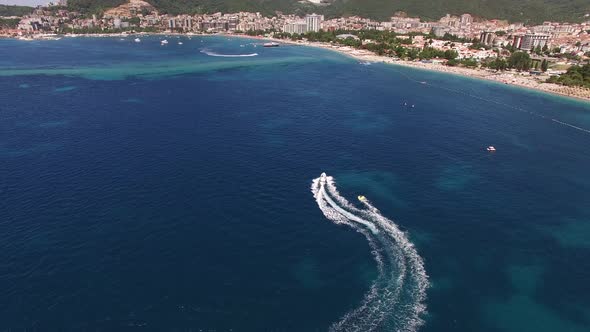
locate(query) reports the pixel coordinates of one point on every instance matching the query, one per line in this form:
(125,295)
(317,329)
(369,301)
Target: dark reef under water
(157,187)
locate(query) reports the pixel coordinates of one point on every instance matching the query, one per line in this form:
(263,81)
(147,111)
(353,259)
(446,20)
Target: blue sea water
(150,187)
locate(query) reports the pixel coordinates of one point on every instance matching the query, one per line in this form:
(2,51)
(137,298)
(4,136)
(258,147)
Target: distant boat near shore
(271,44)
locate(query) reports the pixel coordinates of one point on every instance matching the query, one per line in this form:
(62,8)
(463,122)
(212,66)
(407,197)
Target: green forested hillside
(6,10)
(93,6)
(208,6)
(533,11)
(267,7)
(528,11)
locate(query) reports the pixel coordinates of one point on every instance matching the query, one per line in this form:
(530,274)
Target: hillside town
(462,41)
(138,15)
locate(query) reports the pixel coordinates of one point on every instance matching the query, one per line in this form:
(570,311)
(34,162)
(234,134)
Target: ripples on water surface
(160,187)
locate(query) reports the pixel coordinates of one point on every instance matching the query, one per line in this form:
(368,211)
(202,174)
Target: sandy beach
(507,77)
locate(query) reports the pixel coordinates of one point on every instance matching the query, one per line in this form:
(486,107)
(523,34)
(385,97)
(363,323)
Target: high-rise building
(295,27)
(532,40)
(466,19)
(487,38)
(187,23)
(233,23)
(439,31)
(314,22)
(517,41)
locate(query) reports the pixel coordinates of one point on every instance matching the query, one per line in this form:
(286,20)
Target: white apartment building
(314,22)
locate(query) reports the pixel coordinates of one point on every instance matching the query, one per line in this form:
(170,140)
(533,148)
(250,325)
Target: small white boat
(491,148)
(137,40)
(179,43)
(271,44)
(323,178)
(164,42)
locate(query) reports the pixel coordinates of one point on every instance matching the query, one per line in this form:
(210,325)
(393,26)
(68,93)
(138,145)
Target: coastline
(508,78)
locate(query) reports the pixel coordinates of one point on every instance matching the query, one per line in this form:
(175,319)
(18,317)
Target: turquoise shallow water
(161,188)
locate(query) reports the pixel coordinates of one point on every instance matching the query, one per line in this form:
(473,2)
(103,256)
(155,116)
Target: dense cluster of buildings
(139,15)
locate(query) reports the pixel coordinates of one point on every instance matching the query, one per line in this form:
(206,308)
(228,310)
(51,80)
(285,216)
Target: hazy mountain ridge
(528,11)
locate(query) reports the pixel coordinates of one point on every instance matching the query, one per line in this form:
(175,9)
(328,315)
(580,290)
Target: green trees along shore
(386,43)
(575,76)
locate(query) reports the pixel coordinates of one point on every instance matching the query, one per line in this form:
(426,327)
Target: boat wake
(209,53)
(395,301)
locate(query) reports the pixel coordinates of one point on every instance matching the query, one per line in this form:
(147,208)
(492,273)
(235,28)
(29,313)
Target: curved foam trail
(332,214)
(373,310)
(395,299)
(415,263)
(209,53)
(347,214)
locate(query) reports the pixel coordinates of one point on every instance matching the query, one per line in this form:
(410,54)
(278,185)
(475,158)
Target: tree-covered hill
(6,10)
(528,11)
(267,7)
(93,6)
(209,6)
